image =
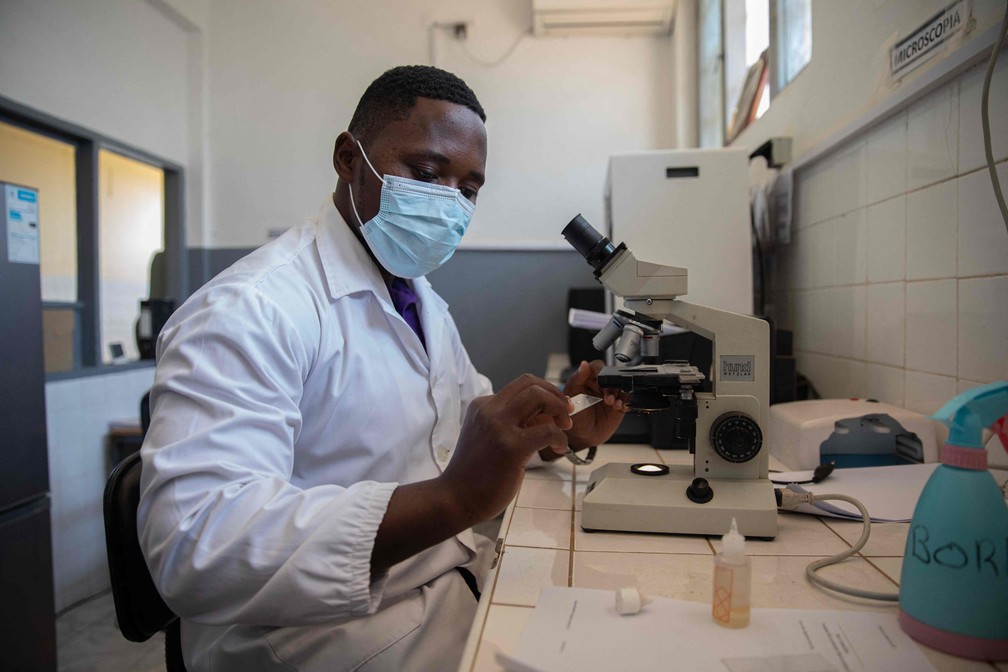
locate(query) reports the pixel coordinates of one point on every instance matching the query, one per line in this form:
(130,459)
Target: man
(320,443)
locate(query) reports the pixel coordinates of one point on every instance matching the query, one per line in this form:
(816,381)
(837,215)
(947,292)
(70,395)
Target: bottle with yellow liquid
(732,581)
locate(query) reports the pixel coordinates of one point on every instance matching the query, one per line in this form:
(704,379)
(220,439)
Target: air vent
(602,17)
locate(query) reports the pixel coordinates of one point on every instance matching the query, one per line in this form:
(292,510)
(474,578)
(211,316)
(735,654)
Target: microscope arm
(741,344)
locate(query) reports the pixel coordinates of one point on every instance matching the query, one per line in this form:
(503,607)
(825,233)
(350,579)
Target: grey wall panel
(510,306)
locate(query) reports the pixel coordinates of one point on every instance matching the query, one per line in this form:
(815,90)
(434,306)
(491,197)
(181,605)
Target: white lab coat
(290,399)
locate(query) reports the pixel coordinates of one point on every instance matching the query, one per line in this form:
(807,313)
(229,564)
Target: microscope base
(619,500)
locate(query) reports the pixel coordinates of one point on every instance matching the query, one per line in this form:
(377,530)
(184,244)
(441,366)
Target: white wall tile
(886,223)
(809,244)
(926,393)
(933,137)
(886,161)
(932,231)
(931,327)
(814,198)
(971,150)
(847,178)
(821,257)
(831,321)
(833,377)
(812,328)
(849,250)
(983,237)
(845,308)
(886,323)
(983,329)
(885,383)
(78,412)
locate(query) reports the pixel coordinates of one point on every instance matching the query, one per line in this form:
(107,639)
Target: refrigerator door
(26,606)
(26,580)
(23,446)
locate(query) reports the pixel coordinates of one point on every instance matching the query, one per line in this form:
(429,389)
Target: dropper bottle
(732,581)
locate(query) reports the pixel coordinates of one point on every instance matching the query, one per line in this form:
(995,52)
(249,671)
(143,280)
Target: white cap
(630,601)
(733,543)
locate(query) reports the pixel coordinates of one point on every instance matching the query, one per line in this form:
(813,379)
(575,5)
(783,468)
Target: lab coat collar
(349,268)
(347,265)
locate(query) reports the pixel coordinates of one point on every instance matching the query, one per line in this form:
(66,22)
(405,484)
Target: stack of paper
(575,629)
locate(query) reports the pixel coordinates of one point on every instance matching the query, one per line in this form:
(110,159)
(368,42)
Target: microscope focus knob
(699,491)
(736,437)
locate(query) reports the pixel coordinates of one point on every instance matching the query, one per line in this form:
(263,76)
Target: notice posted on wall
(22,224)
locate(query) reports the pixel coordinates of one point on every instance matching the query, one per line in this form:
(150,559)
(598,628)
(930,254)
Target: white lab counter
(542,544)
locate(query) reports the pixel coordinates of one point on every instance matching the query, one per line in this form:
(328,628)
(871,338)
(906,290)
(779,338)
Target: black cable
(985,117)
(761,285)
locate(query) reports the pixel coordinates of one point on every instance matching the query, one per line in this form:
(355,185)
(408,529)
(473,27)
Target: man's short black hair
(393,95)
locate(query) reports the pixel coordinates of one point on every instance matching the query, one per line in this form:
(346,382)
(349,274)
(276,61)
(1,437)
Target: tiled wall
(78,413)
(896,280)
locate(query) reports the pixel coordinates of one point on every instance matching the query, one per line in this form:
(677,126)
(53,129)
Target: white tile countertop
(542,545)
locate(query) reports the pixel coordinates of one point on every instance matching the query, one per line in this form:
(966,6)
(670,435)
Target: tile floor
(88,640)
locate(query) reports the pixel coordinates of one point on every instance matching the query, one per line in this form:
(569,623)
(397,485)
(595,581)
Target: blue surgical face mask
(418,225)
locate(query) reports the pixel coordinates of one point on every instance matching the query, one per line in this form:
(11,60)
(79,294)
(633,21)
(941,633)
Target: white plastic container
(730,605)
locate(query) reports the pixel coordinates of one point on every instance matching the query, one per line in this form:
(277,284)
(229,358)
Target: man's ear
(344,153)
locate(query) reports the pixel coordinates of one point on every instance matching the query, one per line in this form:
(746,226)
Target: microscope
(725,428)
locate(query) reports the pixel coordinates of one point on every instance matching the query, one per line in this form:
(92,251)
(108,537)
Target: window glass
(794,37)
(747,40)
(38,161)
(48,165)
(711,76)
(131,231)
(756,44)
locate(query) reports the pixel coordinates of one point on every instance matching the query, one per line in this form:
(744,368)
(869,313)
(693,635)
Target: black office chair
(139,608)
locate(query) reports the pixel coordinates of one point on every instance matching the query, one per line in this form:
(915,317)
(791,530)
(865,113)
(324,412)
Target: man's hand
(594,425)
(500,433)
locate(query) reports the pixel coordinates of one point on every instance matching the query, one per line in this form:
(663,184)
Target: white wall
(284,79)
(896,279)
(78,415)
(114,66)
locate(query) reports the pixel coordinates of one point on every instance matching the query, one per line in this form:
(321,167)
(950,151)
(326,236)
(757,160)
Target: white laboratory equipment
(689,208)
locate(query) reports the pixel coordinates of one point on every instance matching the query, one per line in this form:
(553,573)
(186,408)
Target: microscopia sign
(924,42)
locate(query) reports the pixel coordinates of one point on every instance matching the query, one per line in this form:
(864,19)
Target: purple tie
(405,301)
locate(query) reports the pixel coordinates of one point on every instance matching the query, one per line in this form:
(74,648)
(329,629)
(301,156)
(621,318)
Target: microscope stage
(620,500)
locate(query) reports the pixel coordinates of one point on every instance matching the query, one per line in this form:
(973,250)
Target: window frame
(87,355)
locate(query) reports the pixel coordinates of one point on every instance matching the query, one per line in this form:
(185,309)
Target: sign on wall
(22,225)
(926,40)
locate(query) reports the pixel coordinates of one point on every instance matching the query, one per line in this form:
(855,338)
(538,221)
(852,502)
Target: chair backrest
(139,608)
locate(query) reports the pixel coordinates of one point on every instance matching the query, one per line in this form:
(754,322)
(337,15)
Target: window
(49,165)
(791,26)
(748,51)
(131,229)
(710,79)
(105,211)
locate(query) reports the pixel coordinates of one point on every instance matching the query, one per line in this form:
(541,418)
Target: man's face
(441,143)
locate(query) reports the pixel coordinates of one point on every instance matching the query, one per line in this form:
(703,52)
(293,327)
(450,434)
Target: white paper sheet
(889,493)
(576,629)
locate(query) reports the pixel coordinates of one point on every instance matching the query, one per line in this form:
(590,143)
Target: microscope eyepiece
(593,246)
